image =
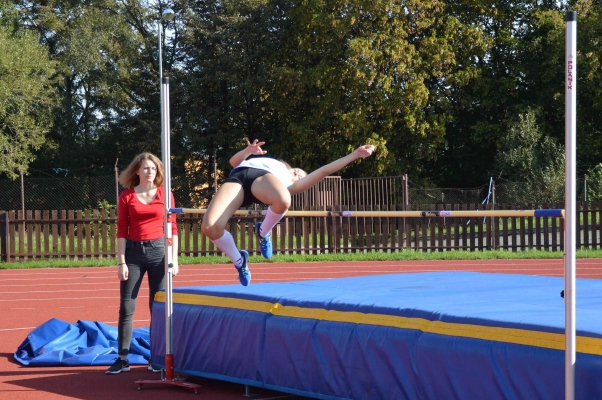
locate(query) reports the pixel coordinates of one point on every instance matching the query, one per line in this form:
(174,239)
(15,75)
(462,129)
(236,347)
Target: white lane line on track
(307,276)
(61,291)
(186,278)
(54,271)
(68,298)
(18,329)
(263,277)
(327,269)
(115,282)
(329,264)
(315,271)
(281,271)
(61,278)
(104,269)
(34,327)
(203,283)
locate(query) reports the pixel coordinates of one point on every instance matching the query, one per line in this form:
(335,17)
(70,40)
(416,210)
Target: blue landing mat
(441,335)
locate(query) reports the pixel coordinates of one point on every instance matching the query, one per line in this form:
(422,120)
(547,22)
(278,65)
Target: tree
(531,163)
(377,72)
(541,54)
(509,79)
(589,85)
(107,80)
(316,79)
(594,183)
(26,96)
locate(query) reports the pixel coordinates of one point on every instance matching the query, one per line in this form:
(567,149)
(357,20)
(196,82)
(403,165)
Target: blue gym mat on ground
(60,343)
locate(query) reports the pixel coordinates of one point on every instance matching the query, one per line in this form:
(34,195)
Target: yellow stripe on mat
(556,341)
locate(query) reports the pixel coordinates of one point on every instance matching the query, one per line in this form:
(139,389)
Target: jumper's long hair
(129,177)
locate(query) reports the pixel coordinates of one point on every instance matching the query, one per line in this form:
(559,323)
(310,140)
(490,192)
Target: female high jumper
(263,180)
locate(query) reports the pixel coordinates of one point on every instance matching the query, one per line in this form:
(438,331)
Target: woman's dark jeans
(141,257)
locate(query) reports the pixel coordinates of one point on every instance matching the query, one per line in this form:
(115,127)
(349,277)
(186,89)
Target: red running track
(29,298)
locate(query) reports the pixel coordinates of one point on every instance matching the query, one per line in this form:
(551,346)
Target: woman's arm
(122,268)
(305,183)
(251,149)
(122,234)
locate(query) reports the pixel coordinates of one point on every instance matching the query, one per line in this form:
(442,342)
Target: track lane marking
(34,327)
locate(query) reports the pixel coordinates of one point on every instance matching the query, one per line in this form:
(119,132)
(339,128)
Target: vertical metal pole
(403,201)
(215,172)
(165,155)
(165,151)
(116,183)
(22,193)
(570,202)
(6,238)
(495,232)
(407,191)
(159,26)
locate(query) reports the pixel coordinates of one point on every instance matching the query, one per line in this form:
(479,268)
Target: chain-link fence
(101,192)
(84,193)
(496,193)
(447,195)
(70,193)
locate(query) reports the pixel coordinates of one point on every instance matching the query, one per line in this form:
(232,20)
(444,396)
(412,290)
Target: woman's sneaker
(265,243)
(153,368)
(118,366)
(244,274)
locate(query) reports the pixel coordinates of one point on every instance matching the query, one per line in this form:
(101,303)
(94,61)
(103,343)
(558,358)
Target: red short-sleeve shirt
(139,221)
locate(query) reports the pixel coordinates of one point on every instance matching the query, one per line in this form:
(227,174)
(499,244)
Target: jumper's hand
(255,147)
(365,150)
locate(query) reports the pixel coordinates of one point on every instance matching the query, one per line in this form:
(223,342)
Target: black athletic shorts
(246,176)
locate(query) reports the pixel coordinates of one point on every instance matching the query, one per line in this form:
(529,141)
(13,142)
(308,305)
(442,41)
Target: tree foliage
(314,80)
(440,87)
(594,183)
(107,80)
(533,160)
(26,96)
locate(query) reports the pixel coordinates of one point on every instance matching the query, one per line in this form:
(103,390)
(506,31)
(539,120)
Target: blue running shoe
(244,274)
(265,243)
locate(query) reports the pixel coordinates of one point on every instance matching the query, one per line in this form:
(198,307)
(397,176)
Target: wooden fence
(78,234)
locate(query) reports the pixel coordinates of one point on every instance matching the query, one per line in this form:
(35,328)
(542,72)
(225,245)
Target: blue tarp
(57,342)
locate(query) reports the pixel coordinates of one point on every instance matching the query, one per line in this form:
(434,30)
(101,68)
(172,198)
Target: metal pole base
(174,382)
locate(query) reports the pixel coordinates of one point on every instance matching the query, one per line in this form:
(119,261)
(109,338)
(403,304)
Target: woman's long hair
(129,178)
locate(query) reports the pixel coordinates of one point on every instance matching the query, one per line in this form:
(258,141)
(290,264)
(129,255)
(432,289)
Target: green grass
(364,256)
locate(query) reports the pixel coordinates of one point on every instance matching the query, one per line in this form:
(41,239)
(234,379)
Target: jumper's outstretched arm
(303,184)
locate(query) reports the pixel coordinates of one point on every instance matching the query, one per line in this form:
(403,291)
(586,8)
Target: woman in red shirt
(140,244)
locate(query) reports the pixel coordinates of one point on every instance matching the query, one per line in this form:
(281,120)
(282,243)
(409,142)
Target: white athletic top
(273,166)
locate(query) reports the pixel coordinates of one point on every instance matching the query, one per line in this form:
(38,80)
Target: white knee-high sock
(228,247)
(270,221)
